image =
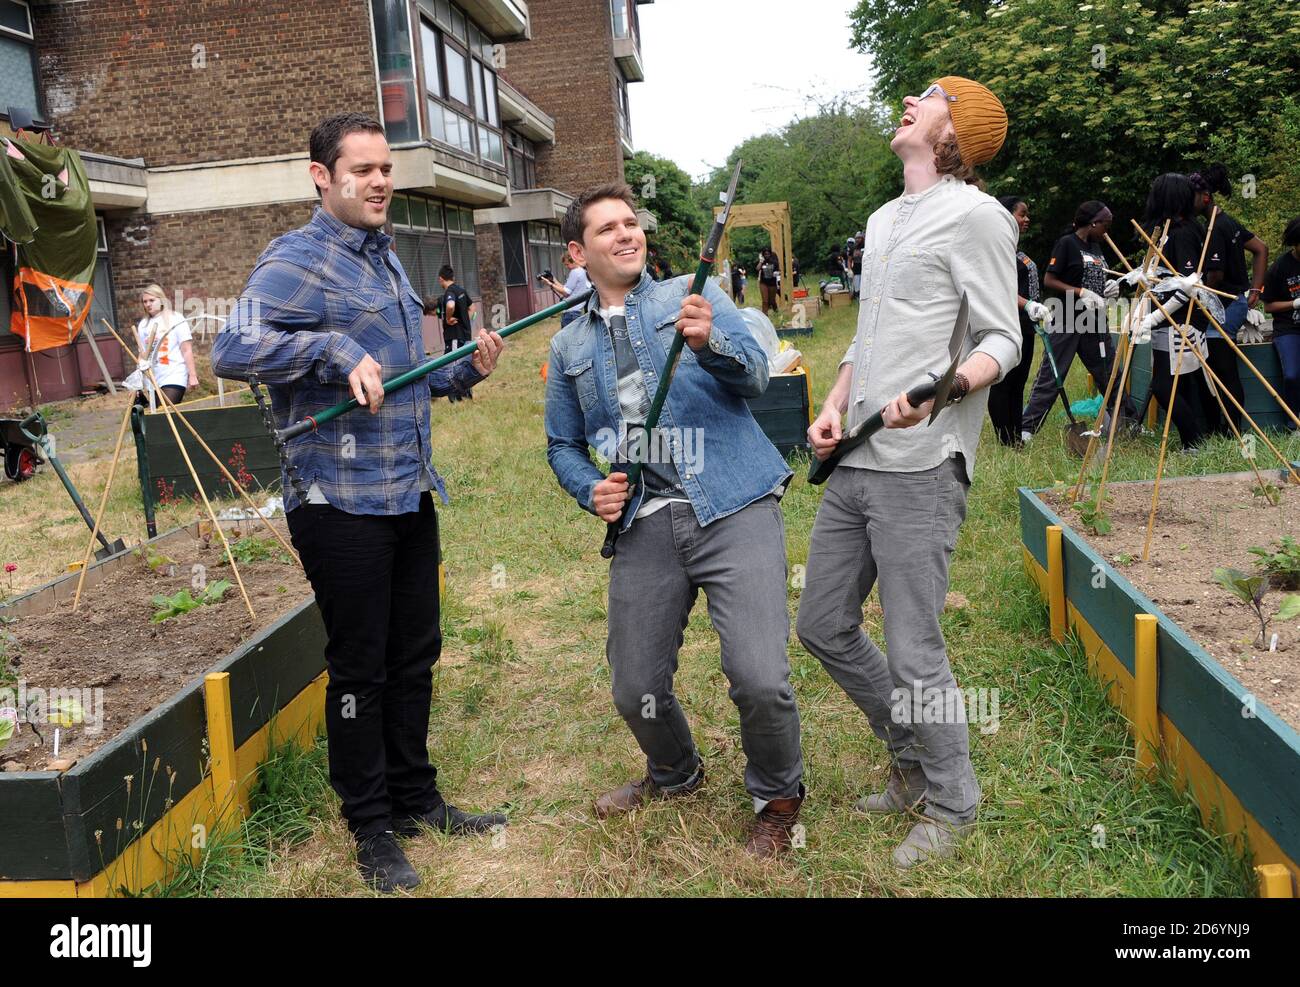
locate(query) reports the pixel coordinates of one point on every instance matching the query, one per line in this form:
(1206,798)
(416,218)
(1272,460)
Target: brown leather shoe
(770,835)
(635,794)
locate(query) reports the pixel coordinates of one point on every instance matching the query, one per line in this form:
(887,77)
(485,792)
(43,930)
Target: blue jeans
(1234,315)
(1288,354)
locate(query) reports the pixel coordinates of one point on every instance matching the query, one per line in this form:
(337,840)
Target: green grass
(522,716)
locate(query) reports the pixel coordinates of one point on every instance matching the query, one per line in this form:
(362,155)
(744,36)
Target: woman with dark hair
(1227,244)
(769,279)
(1282,301)
(1172,199)
(1077,274)
(1006,397)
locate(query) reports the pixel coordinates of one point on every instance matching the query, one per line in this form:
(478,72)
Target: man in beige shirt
(892,508)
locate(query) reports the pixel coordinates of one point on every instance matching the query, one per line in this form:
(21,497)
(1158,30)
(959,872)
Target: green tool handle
(707,257)
(312,422)
(41,442)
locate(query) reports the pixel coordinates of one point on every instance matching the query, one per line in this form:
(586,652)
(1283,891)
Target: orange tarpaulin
(48,311)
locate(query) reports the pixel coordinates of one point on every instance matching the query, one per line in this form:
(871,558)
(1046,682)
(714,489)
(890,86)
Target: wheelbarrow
(33,441)
(21,454)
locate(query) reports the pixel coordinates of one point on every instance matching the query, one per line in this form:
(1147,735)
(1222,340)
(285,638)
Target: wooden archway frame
(773,217)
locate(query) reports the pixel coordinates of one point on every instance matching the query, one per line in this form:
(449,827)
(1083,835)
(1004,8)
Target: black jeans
(1090,347)
(1007,396)
(376,583)
(1189,412)
(1223,361)
(175,394)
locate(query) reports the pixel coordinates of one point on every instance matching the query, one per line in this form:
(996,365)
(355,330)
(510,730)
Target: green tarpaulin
(46,209)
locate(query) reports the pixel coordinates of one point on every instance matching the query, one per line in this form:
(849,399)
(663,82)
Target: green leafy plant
(7,730)
(248,550)
(1250,589)
(1268,491)
(1280,563)
(154,560)
(183,602)
(1092,515)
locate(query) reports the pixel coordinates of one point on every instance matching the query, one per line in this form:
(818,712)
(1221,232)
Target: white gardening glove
(1142,332)
(1250,333)
(1112,288)
(1183,283)
(1255,318)
(1147,324)
(1093,300)
(1037,311)
(1136,276)
(1296,303)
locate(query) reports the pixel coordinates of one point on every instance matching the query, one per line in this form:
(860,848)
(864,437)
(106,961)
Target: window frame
(28,40)
(481,78)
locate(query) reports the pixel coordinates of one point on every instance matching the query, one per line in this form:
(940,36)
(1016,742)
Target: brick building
(192,119)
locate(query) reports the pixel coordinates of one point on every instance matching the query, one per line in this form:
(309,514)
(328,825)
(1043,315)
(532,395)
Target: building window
(101,305)
(18,85)
(521,161)
(624,108)
(431,233)
(396,70)
(460,84)
(546,250)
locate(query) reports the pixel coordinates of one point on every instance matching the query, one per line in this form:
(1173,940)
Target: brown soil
(1203,524)
(111,644)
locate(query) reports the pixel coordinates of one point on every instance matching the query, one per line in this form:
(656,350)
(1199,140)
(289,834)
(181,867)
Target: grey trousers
(896,531)
(663,561)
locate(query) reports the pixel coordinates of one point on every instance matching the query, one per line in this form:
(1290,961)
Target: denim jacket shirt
(732,463)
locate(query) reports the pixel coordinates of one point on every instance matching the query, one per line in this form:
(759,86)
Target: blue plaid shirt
(320,298)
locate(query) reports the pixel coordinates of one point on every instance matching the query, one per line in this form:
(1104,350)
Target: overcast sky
(720,71)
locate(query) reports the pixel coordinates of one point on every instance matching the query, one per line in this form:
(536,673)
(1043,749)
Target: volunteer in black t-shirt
(1076,277)
(1007,396)
(769,276)
(1172,199)
(457,311)
(1282,301)
(1227,244)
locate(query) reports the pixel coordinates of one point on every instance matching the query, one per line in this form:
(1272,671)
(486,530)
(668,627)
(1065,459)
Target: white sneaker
(1026,436)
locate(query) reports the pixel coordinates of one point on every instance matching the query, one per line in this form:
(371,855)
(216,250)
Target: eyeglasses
(933,88)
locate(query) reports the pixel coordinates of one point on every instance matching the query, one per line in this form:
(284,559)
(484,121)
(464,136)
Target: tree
(834,168)
(663,188)
(1103,95)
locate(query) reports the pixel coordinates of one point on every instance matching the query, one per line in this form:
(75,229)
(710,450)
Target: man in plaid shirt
(327,312)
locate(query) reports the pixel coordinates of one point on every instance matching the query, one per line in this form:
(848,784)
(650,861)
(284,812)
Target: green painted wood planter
(230,432)
(783,412)
(1259,404)
(1240,758)
(49,821)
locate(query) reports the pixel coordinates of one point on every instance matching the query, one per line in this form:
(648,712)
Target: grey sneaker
(929,839)
(904,789)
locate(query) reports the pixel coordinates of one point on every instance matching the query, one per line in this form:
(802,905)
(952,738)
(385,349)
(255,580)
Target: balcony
(541,205)
(503,20)
(627,39)
(522,114)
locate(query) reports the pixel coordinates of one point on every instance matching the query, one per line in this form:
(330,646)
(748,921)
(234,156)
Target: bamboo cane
(220,465)
(167,413)
(99,514)
(1214,291)
(1231,342)
(1186,342)
(1101,416)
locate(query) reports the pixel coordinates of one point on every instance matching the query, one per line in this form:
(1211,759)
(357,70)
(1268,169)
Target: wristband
(960,388)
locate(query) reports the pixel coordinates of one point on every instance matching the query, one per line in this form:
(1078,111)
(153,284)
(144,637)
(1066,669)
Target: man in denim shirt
(328,312)
(706,515)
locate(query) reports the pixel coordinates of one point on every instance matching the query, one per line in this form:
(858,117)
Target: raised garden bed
(1222,711)
(176,747)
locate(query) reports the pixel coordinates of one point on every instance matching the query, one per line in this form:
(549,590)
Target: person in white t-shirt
(163,340)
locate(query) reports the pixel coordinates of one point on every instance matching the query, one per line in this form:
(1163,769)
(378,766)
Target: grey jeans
(663,561)
(897,531)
